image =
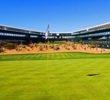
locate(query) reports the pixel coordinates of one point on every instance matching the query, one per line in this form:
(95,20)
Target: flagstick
(47,34)
(48,58)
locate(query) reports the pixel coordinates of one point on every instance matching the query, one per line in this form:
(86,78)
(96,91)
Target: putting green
(72,76)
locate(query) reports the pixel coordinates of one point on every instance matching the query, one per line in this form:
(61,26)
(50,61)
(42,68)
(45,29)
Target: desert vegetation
(93,45)
(1,50)
(10,46)
(57,46)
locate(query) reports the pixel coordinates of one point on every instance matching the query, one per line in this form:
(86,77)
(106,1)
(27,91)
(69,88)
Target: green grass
(24,77)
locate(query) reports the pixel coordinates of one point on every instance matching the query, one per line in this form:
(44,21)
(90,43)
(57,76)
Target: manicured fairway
(24,77)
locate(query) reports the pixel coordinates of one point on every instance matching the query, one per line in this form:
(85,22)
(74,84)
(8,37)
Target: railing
(27,32)
(90,31)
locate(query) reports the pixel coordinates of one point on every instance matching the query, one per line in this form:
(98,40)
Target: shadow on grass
(92,74)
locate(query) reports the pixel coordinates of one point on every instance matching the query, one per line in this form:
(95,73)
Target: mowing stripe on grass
(52,56)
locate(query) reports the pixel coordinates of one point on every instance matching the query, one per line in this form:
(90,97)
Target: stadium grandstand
(99,34)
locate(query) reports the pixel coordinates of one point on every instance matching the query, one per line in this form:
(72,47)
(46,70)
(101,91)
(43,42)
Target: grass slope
(24,77)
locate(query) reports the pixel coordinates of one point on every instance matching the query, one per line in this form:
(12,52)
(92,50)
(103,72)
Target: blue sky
(61,15)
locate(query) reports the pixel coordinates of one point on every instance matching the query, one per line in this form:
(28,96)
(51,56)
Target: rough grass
(24,77)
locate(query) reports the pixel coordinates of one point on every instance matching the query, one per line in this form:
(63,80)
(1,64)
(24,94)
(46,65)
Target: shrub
(36,45)
(10,46)
(52,47)
(46,47)
(73,45)
(0,45)
(40,48)
(28,50)
(22,46)
(56,48)
(80,41)
(67,48)
(1,50)
(93,45)
(76,42)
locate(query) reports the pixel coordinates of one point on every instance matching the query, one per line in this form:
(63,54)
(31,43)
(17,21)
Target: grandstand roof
(19,29)
(93,28)
(61,32)
(78,31)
